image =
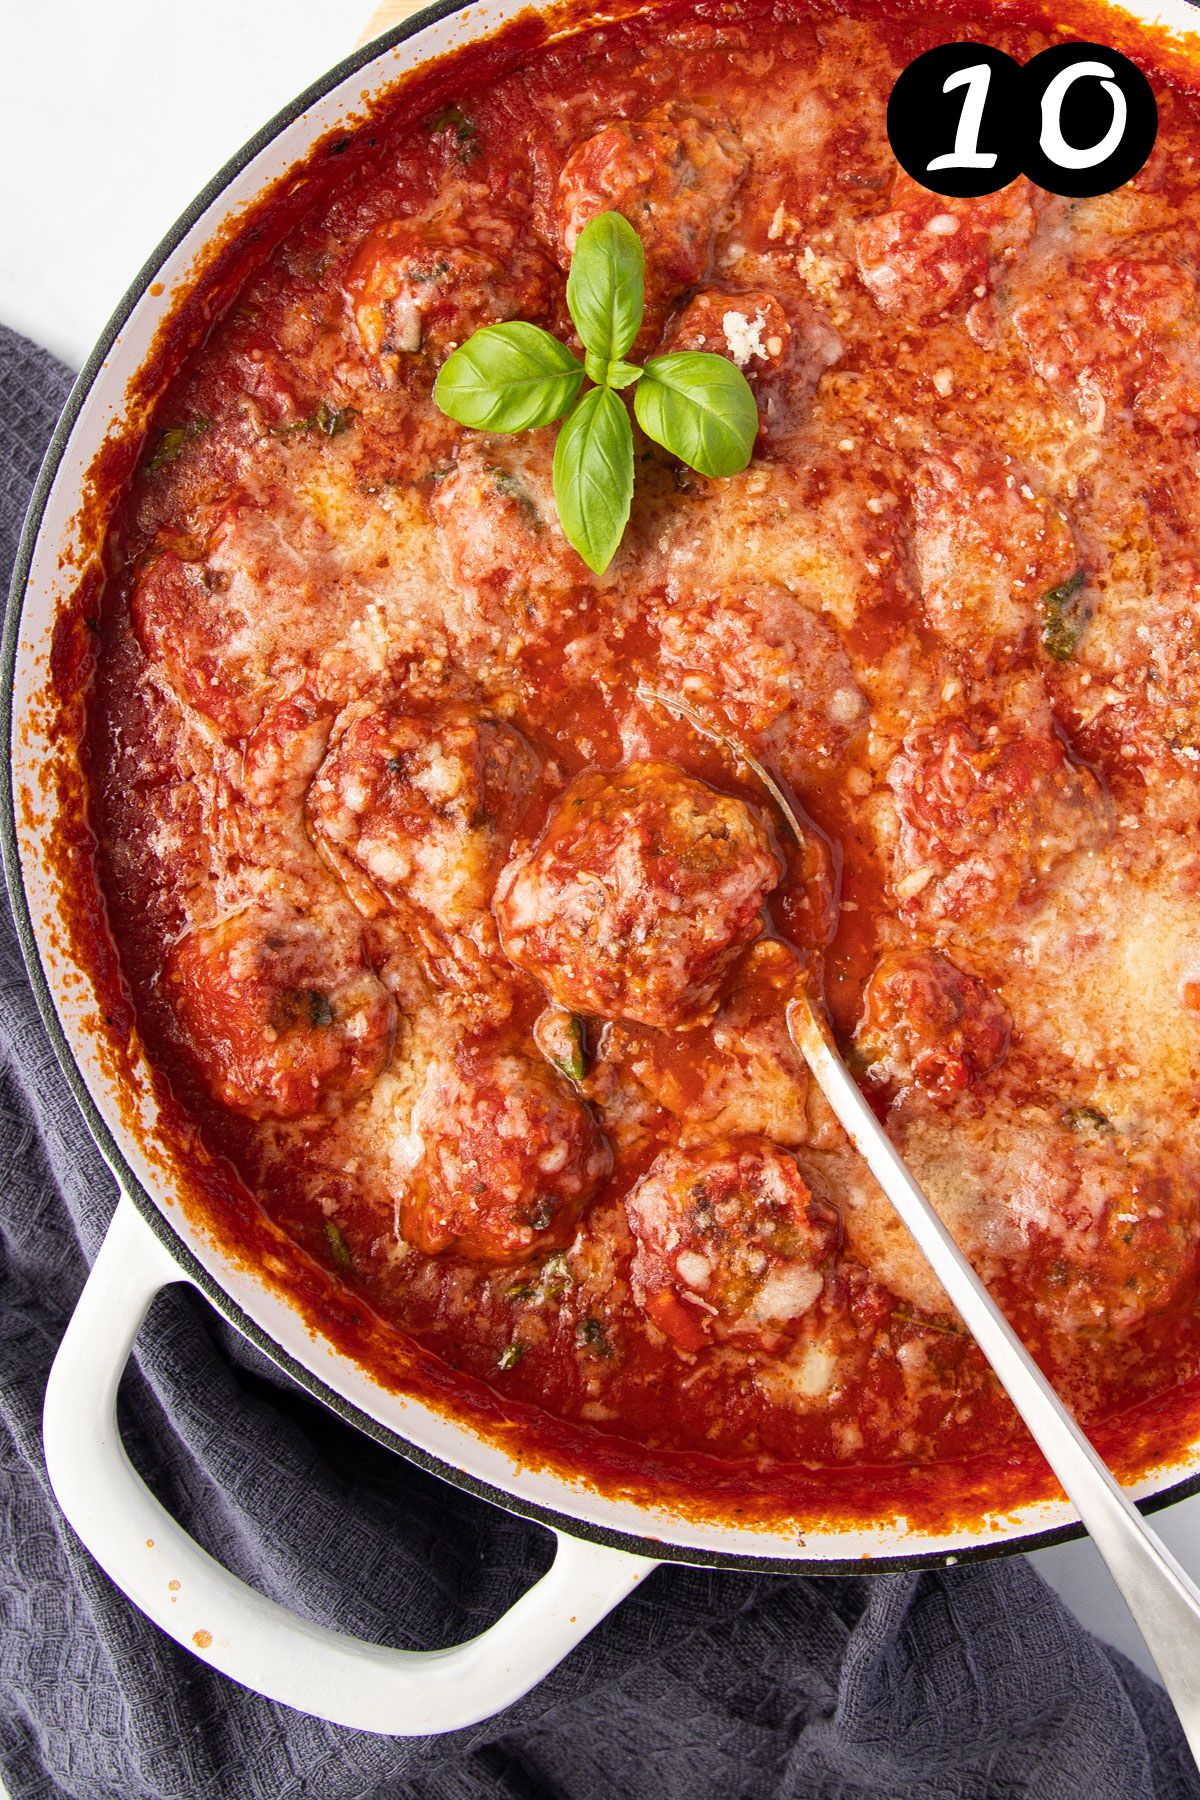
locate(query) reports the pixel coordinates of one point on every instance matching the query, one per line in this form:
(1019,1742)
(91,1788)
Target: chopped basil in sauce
(1065,614)
(339,1249)
(171,442)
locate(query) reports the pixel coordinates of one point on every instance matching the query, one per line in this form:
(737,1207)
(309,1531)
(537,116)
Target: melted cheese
(403,558)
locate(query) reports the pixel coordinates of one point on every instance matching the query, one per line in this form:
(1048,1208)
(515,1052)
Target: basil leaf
(339,1249)
(591,1335)
(700,408)
(606,288)
(330,421)
(508,378)
(1065,616)
(451,118)
(559,1035)
(593,476)
(617,374)
(1086,1119)
(172,440)
(621,373)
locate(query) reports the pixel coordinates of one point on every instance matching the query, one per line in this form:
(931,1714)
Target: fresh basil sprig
(515,376)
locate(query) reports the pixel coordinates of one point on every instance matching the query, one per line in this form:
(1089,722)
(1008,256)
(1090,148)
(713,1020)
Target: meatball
(510,1156)
(641,893)
(928,251)
(185,623)
(227,616)
(1095,1223)
(1131,694)
(782,354)
(983,820)
(772,665)
(417,811)
(269,383)
(283,752)
(1119,333)
(1107,1226)
(426,284)
(928,1024)
(284,1020)
(731,1244)
(751,329)
(671,173)
(987,548)
(742,1073)
(502,545)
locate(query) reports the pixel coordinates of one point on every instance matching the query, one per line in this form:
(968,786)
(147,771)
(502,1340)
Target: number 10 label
(1078,119)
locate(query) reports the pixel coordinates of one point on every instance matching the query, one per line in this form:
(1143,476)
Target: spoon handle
(1162,1599)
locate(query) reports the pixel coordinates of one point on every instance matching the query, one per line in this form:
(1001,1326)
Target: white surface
(115,114)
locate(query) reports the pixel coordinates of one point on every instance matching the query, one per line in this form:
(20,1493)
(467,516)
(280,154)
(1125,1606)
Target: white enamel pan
(606,1543)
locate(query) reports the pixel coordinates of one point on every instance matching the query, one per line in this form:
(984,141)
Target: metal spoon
(1164,1603)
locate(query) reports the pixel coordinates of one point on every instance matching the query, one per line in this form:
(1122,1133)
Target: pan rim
(191,1268)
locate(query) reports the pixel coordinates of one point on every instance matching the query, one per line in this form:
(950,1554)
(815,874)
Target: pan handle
(403,1693)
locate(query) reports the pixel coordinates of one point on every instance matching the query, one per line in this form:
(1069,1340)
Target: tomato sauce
(364,741)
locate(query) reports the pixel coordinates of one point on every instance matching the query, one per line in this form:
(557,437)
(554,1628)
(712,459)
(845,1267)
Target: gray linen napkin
(949,1686)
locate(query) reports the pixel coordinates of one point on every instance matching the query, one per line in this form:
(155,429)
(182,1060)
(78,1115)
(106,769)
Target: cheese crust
(475,962)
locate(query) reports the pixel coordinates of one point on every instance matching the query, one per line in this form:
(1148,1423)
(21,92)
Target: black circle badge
(957,120)
(1078,119)
(1094,119)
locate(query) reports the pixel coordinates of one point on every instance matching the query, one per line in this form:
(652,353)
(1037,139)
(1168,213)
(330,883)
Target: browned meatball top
(282,1018)
(510,1156)
(671,173)
(416,811)
(639,896)
(731,1243)
(425,284)
(929,1023)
